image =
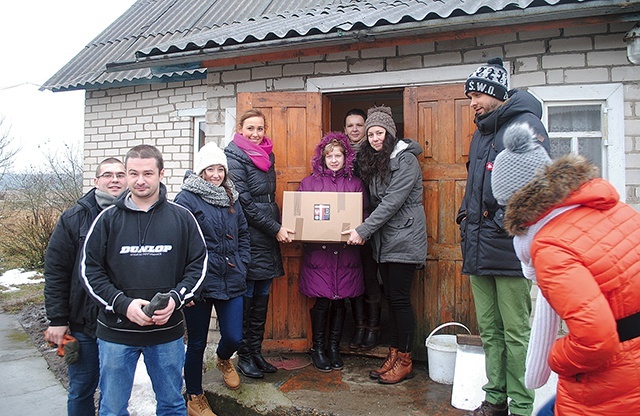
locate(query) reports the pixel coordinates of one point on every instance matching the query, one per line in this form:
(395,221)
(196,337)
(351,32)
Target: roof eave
(597,12)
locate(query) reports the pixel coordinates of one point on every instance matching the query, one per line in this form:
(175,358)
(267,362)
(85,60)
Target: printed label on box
(322,212)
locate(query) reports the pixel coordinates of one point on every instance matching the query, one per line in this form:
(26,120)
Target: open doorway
(339,103)
(335,106)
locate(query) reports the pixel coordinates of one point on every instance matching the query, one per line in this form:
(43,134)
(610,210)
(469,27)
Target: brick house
(175,73)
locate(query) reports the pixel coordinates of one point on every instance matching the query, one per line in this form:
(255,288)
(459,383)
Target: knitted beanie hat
(380,116)
(490,79)
(210,154)
(522,158)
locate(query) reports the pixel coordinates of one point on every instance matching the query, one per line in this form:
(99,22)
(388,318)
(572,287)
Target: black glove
(159,301)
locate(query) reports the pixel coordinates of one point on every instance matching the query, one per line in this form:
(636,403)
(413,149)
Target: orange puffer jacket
(587,263)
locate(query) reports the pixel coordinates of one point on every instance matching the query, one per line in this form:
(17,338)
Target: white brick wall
(117,119)
(120,118)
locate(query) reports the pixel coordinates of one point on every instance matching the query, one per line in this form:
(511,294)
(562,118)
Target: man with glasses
(69,308)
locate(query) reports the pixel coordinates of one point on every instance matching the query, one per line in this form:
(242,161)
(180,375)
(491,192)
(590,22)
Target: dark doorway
(340,103)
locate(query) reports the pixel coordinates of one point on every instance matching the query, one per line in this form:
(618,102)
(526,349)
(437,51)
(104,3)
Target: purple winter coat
(332,270)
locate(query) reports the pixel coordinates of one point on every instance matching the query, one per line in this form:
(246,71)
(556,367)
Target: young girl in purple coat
(330,272)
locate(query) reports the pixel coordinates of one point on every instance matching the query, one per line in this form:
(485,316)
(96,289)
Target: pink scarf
(258,153)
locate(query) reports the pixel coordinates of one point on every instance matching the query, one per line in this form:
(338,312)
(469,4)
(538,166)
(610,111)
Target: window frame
(612,95)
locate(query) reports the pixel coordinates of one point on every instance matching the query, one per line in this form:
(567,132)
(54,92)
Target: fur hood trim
(546,191)
(317,162)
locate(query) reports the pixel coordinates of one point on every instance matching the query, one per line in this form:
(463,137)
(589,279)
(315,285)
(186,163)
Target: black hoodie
(131,254)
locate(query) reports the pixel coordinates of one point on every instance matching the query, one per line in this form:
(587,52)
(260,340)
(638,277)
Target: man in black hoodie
(501,293)
(141,246)
(69,309)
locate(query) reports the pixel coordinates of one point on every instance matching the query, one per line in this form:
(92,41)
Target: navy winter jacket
(227,241)
(487,249)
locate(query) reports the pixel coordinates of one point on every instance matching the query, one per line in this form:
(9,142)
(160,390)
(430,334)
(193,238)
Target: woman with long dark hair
(397,229)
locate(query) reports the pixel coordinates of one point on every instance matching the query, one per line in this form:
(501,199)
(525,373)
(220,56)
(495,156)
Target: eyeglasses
(111,175)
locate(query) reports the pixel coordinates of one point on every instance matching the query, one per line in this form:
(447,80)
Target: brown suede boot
(387,365)
(198,405)
(402,370)
(229,374)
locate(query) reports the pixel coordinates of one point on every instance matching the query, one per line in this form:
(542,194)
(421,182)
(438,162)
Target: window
(587,120)
(577,128)
(199,132)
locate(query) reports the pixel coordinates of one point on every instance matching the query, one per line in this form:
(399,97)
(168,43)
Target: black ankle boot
(246,365)
(357,308)
(258,319)
(336,323)
(372,331)
(318,324)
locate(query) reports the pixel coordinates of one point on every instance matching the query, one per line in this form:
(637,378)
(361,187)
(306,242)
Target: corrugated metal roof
(156,27)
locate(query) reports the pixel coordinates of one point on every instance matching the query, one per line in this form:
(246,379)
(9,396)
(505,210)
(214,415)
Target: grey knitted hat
(514,167)
(490,79)
(380,116)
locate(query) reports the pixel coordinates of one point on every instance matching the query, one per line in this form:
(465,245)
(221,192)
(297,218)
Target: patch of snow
(143,399)
(12,278)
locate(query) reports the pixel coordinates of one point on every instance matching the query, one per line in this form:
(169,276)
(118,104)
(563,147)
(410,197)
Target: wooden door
(440,119)
(293,124)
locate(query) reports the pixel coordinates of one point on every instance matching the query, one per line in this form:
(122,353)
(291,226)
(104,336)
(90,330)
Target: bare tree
(32,209)
(7,153)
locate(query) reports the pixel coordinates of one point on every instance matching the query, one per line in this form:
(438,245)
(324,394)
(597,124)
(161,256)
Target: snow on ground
(12,278)
(143,401)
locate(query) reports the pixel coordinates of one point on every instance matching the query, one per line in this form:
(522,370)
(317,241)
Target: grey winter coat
(397,225)
(257,190)
(487,249)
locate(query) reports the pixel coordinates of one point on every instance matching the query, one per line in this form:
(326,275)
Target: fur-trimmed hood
(317,162)
(556,186)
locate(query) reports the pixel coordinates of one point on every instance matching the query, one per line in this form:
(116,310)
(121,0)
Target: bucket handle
(426,341)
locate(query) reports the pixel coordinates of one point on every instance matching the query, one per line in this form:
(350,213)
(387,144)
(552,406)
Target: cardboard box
(321,216)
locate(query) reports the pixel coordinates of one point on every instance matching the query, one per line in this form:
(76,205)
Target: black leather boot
(246,365)
(357,308)
(336,322)
(257,324)
(372,331)
(318,324)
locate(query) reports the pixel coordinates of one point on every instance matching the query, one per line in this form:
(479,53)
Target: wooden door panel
(293,124)
(438,117)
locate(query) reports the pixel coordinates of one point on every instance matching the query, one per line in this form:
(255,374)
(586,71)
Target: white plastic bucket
(469,377)
(441,354)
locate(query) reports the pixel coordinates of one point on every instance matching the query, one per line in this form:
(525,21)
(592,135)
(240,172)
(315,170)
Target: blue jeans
(164,365)
(198,317)
(258,288)
(83,377)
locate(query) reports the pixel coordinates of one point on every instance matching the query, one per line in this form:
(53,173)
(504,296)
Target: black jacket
(257,190)
(487,249)
(65,298)
(133,254)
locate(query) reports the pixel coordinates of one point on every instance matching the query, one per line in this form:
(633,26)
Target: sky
(37,38)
